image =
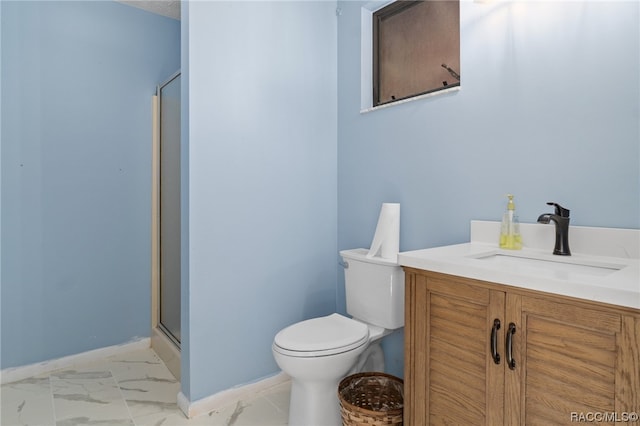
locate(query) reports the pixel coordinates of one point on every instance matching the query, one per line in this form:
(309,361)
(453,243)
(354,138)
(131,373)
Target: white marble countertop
(607,279)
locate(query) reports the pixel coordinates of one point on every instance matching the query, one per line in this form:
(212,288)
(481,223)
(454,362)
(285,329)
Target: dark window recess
(416,49)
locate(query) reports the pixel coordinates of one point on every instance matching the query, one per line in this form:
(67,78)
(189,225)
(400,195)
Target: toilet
(319,352)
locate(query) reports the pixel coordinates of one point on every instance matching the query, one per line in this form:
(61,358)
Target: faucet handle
(560,211)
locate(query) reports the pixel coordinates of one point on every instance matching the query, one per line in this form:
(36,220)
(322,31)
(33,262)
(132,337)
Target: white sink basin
(604,267)
(556,266)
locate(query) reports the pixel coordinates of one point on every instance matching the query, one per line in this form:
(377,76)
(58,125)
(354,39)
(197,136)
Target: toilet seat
(324,336)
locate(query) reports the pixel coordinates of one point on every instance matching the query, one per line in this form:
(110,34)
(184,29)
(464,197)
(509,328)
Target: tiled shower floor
(133,389)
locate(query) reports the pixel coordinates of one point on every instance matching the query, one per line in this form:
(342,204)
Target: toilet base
(314,404)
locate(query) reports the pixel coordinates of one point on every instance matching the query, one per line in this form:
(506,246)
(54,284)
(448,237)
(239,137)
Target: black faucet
(561,220)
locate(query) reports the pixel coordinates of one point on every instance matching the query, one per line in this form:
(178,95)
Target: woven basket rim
(365,411)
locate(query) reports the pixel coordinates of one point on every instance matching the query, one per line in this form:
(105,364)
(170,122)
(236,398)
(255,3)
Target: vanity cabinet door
(571,359)
(559,359)
(450,373)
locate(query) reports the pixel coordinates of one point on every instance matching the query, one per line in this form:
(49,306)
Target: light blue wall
(185,342)
(77,81)
(262,182)
(548,110)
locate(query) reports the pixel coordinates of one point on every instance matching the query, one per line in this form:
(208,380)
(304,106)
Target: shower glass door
(169,211)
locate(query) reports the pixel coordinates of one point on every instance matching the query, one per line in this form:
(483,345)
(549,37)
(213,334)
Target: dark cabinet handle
(494,341)
(510,361)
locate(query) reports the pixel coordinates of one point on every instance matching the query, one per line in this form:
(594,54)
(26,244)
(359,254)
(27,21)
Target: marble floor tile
(256,411)
(269,408)
(88,397)
(27,402)
(138,364)
(134,389)
(175,417)
(145,382)
(279,396)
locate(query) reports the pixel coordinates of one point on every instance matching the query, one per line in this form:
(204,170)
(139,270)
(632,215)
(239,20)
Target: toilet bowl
(319,352)
(315,372)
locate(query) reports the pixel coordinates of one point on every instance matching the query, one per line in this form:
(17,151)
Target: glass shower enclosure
(166,217)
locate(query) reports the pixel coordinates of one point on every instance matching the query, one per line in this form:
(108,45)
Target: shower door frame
(162,341)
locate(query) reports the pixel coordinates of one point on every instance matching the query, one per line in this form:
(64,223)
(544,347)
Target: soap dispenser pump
(510,229)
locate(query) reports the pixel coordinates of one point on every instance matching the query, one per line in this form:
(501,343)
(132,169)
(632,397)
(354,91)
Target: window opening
(416,49)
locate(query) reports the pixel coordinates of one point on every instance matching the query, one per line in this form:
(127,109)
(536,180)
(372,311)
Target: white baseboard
(230,396)
(14,374)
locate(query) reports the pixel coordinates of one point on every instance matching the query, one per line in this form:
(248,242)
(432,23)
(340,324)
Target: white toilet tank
(374,289)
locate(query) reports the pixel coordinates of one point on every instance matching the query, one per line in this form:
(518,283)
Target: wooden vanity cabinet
(478,353)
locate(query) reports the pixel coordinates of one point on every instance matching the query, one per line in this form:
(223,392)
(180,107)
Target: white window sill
(414,98)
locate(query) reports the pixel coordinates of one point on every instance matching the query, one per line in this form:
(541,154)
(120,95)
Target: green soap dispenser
(510,230)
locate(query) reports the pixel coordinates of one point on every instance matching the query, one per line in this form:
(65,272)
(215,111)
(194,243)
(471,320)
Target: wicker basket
(371,399)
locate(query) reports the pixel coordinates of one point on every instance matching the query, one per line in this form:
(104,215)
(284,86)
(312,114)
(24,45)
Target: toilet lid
(331,334)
